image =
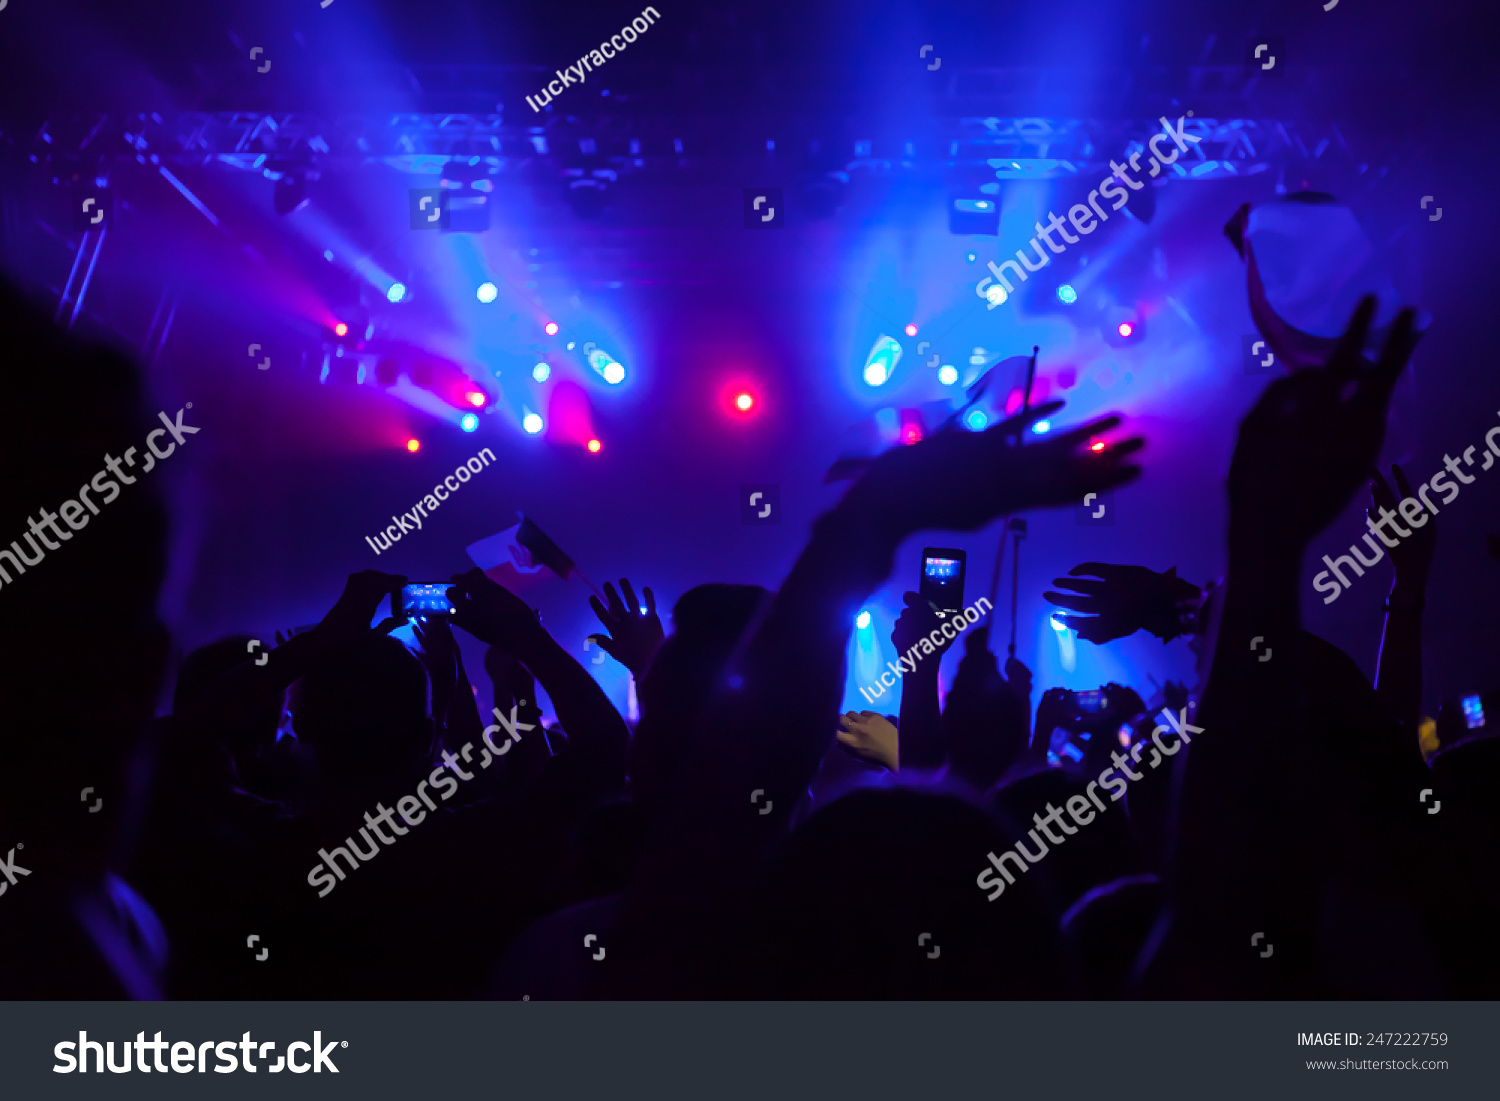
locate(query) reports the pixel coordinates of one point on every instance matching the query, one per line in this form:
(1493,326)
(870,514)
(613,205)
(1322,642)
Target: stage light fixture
(396,292)
(614,373)
(551,329)
(1066,294)
(911,330)
(947,374)
(862,621)
(468,422)
(341,329)
(475,398)
(414,445)
(532,423)
(1097,446)
(995,294)
(1125,328)
(976,419)
(744,402)
(880,364)
(594,446)
(1041,428)
(975,215)
(1057,623)
(541,372)
(487,292)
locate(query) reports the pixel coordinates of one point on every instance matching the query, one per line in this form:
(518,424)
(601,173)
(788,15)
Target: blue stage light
(947,374)
(995,294)
(1057,623)
(1041,428)
(862,621)
(1066,294)
(487,293)
(468,422)
(610,369)
(976,419)
(532,423)
(541,372)
(614,374)
(396,293)
(880,364)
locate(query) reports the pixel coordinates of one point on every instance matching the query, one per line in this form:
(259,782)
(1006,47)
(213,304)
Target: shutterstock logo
(10,869)
(185,1052)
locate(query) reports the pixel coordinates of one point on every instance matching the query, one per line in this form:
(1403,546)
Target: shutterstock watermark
(1078,807)
(1417,516)
(428,505)
(410,808)
(1083,217)
(72,513)
(929,645)
(595,58)
(190,1058)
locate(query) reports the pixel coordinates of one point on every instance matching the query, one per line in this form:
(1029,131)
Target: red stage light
(414,445)
(594,446)
(552,328)
(476,398)
(1096,446)
(341,329)
(743,403)
(911,330)
(1126,328)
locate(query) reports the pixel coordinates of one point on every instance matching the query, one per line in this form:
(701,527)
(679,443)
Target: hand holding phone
(421,601)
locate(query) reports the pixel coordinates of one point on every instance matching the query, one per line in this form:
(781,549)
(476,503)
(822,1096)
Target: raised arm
(1398,670)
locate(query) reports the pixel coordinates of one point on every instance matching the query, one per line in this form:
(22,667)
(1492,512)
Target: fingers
(600,613)
(1086,585)
(1346,357)
(1398,349)
(1380,492)
(1011,425)
(387,625)
(607,644)
(1067,440)
(1401,483)
(616,605)
(1098,569)
(632,606)
(650,600)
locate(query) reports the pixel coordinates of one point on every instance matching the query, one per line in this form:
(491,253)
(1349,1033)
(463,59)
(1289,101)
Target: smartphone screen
(420,601)
(1473,712)
(943,577)
(1092,702)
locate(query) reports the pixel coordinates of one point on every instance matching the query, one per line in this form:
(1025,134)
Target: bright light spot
(1066,294)
(341,329)
(862,621)
(1097,446)
(1057,622)
(976,419)
(532,423)
(594,446)
(396,293)
(468,422)
(487,293)
(541,372)
(911,330)
(476,399)
(1125,735)
(414,445)
(1125,329)
(743,403)
(971,256)
(995,294)
(982,205)
(614,373)
(875,374)
(1041,428)
(551,329)
(947,374)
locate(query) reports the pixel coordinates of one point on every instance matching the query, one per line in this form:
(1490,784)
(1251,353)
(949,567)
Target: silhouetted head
(86,653)
(364,707)
(198,673)
(876,896)
(706,624)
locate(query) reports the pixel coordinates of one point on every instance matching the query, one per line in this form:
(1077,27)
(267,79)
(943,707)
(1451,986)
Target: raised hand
(1313,438)
(917,621)
(960,480)
(491,612)
(363,593)
(870,737)
(1123,600)
(634,636)
(1412,555)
